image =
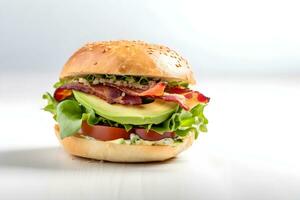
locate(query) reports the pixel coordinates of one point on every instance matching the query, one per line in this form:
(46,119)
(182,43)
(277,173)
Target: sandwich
(126,101)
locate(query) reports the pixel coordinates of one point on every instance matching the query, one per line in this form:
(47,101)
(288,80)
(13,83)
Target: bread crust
(109,151)
(124,57)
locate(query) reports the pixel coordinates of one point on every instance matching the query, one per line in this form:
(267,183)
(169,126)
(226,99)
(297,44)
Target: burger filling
(127,109)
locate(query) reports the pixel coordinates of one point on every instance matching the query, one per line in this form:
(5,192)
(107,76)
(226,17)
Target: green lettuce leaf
(127,78)
(178,83)
(183,122)
(51,105)
(128,127)
(69,117)
(59,83)
(89,116)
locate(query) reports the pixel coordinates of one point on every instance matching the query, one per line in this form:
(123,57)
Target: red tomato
(104,133)
(61,94)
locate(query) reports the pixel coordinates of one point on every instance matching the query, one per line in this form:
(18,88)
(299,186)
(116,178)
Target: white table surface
(250,152)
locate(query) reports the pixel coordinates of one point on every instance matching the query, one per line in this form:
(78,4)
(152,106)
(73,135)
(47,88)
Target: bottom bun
(108,151)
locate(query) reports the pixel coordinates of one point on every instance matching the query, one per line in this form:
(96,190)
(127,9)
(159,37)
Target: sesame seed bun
(108,151)
(135,58)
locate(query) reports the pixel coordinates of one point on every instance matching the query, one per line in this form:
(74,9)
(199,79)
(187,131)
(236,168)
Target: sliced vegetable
(104,133)
(151,113)
(61,94)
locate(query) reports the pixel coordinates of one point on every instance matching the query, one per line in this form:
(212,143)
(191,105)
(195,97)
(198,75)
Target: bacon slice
(112,93)
(157,90)
(178,90)
(107,93)
(197,95)
(185,102)
(154,91)
(188,93)
(185,97)
(177,99)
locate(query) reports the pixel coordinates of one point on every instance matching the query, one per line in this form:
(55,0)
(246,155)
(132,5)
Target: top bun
(134,58)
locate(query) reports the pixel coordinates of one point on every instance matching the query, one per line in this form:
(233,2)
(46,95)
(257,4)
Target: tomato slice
(61,94)
(104,133)
(152,135)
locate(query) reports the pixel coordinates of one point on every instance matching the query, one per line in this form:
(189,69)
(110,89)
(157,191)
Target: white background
(246,56)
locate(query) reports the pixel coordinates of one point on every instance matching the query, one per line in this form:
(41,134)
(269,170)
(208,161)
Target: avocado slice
(151,113)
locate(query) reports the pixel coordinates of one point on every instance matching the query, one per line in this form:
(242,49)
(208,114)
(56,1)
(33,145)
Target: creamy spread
(136,140)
